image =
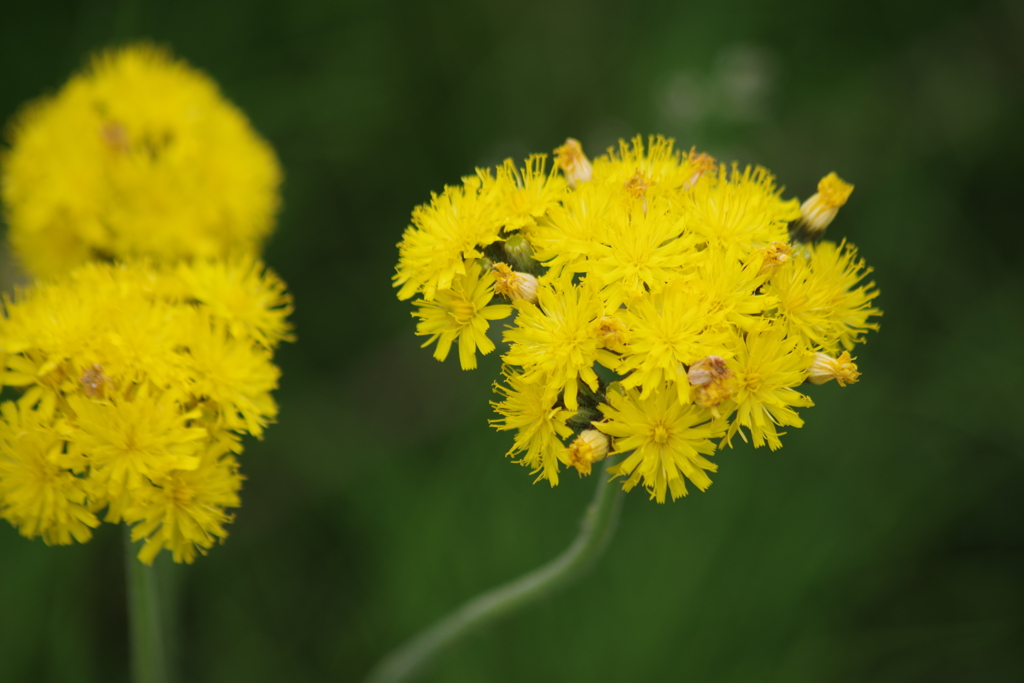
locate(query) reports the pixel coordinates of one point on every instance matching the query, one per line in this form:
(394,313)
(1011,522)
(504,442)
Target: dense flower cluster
(137,381)
(663,303)
(140,198)
(139,155)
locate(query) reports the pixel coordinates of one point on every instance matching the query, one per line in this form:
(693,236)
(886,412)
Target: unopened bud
(513,285)
(615,387)
(824,368)
(520,253)
(589,447)
(573,162)
(818,211)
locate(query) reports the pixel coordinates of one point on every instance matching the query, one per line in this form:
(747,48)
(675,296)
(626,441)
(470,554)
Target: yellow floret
(666,442)
(461,313)
(531,409)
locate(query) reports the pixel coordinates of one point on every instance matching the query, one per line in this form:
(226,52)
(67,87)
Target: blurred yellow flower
(137,155)
(137,380)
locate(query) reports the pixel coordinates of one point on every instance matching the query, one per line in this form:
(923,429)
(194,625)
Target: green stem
(597,528)
(147,646)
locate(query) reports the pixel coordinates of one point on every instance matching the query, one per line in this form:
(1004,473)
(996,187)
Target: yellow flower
(642,255)
(555,342)
(766,367)
(573,231)
(532,410)
(461,313)
(666,332)
(242,293)
(444,234)
(730,290)
(659,168)
(137,380)
(666,442)
(134,435)
(40,491)
(820,297)
(183,510)
(531,191)
(233,375)
(739,208)
(138,155)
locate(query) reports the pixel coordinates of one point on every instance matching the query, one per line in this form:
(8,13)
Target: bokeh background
(885,542)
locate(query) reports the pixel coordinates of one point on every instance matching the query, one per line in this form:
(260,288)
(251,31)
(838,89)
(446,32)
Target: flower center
(660,434)
(461,311)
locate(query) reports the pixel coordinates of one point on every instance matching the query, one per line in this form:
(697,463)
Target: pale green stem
(144,625)
(597,527)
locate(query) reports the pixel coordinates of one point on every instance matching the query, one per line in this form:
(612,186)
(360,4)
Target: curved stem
(147,646)
(597,527)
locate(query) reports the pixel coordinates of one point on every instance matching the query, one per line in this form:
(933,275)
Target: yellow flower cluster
(137,381)
(663,303)
(138,155)
(141,198)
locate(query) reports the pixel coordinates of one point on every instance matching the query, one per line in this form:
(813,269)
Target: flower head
(532,409)
(461,314)
(766,369)
(137,155)
(667,442)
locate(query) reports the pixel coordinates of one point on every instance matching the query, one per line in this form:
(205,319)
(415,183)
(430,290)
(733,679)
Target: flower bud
(824,368)
(573,162)
(520,253)
(94,382)
(818,211)
(514,285)
(589,447)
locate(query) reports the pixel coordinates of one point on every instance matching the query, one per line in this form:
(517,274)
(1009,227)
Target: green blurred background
(884,543)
